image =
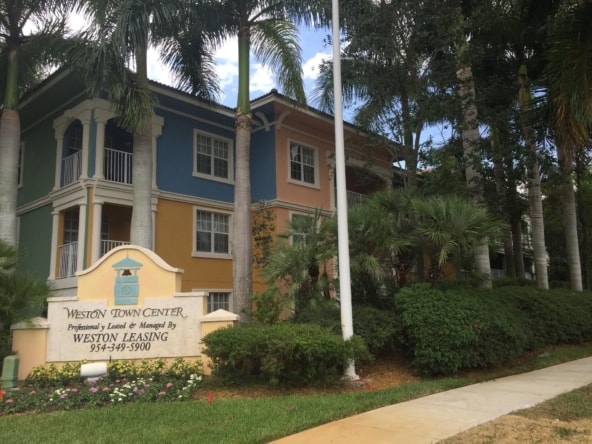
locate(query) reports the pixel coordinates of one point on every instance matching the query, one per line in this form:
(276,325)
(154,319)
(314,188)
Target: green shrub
(378,328)
(445,331)
(290,354)
(50,375)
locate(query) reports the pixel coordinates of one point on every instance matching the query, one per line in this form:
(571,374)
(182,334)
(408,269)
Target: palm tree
(470,141)
(387,76)
(118,41)
(452,227)
(570,95)
(535,200)
(22,58)
(297,266)
(268,28)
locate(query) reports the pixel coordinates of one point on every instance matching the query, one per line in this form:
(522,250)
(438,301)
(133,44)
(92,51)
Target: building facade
(76,190)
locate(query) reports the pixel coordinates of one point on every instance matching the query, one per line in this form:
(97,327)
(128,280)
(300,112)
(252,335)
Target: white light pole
(347,327)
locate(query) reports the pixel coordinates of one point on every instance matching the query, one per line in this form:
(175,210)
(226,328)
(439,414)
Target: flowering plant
(45,389)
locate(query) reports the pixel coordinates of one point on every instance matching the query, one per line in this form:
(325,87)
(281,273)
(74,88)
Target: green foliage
(267,307)
(49,388)
(156,370)
(377,327)
(446,331)
(288,354)
(297,266)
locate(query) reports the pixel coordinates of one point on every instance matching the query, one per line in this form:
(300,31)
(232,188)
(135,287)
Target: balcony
(118,166)
(354,199)
(68,259)
(71,167)
(108,245)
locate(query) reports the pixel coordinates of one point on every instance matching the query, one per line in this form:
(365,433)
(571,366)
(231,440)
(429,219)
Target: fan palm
(268,29)
(22,58)
(452,227)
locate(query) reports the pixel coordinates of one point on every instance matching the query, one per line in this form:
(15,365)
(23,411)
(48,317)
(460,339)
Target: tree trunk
(516,224)
(570,223)
(141,225)
(535,201)
(500,187)
(241,239)
(470,141)
(10,136)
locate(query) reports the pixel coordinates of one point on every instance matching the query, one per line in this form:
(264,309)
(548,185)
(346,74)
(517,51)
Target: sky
(314,51)
(262,81)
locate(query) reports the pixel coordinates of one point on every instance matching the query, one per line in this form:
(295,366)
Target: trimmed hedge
(289,354)
(446,331)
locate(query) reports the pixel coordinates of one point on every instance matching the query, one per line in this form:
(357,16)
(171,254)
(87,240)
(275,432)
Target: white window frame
(303,235)
(315,151)
(226,293)
(230,145)
(21,165)
(209,291)
(211,254)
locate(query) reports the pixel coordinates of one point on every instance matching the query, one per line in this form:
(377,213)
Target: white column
(153,229)
(157,124)
(85,148)
(100,150)
(96,231)
(81,236)
(55,224)
(58,163)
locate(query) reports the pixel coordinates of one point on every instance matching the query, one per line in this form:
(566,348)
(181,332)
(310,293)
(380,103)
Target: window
(212,232)
(302,226)
(21,164)
(217,301)
(212,157)
(302,163)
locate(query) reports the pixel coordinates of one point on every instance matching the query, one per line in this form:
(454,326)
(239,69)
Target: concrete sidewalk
(435,417)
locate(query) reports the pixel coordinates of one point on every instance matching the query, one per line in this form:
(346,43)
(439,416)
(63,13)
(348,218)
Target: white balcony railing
(354,198)
(108,245)
(118,166)
(71,168)
(68,259)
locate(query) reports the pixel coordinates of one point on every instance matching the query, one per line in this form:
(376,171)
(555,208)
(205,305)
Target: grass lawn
(254,420)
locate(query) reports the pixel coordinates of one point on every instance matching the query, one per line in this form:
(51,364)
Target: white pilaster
(81,236)
(85,147)
(58,163)
(100,150)
(96,231)
(55,224)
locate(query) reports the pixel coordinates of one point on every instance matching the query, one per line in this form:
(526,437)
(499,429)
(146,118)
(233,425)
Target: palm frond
(275,42)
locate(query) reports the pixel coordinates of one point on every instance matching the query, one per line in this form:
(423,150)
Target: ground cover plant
(48,388)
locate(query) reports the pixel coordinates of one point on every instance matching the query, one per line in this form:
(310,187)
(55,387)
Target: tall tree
(569,72)
(22,58)
(268,29)
(386,74)
(535,199)
(116,44)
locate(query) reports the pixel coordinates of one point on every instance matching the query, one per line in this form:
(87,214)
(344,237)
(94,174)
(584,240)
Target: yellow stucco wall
(30,346)
(157,278)
(174,243)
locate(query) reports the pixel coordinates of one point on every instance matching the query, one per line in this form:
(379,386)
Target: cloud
(311,66)
(262,79)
